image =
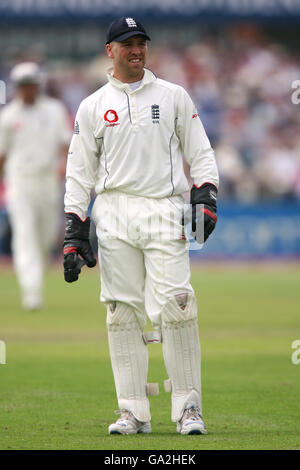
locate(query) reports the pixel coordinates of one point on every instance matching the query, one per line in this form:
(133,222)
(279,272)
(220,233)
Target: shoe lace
(192,413)
(125,415)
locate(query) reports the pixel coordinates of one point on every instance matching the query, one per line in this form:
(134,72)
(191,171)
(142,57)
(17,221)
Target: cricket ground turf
(57,389)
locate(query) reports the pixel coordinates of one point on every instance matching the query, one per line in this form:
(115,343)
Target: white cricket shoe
(31,302)
(191,422)
(128,424)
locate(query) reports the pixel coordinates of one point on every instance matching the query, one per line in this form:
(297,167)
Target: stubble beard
(134,74)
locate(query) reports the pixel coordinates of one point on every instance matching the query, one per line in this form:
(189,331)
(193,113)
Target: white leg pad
(152,337)
(182,355)
(152,389)
(168,385)
(129,359)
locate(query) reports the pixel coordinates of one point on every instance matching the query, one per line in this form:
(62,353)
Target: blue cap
(124,28)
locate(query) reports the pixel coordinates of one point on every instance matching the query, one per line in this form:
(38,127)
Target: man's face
(28,92)
(129,58)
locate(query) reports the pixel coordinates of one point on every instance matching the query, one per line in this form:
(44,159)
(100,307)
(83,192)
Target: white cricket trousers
(33,208)
(145,271)
(143,256)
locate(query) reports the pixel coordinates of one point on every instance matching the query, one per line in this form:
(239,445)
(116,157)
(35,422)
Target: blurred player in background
(129,140)
(34,134)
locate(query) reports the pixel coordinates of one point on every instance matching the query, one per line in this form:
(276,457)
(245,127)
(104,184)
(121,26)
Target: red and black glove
(204,211)
(77,248)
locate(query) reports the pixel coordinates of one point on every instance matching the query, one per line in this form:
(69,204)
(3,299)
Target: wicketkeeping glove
(205,215)
(77,248)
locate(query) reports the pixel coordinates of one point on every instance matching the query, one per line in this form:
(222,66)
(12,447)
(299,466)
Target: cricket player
(129,140)
(34,138)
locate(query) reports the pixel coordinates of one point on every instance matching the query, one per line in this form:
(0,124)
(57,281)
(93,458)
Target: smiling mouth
(135,61)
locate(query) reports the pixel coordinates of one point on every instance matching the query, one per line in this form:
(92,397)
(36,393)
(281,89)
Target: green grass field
(57,391)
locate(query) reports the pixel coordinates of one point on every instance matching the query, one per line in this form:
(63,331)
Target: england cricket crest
(131,23)
(155,113)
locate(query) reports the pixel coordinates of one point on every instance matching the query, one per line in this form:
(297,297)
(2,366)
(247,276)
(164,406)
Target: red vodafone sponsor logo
(111,118)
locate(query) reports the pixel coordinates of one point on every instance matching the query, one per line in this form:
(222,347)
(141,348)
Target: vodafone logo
(111,117)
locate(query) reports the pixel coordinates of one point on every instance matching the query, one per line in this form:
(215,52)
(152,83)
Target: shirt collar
(148,77)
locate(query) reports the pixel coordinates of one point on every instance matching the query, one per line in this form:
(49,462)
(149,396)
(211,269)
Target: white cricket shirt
(31,136)
(134,141)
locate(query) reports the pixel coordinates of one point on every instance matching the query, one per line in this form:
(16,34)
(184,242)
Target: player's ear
(109,51)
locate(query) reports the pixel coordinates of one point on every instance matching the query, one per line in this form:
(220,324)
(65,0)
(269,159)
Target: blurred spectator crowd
(241,83)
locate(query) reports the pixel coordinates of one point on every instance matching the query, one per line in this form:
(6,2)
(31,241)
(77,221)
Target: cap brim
(27,81)
(129,35)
